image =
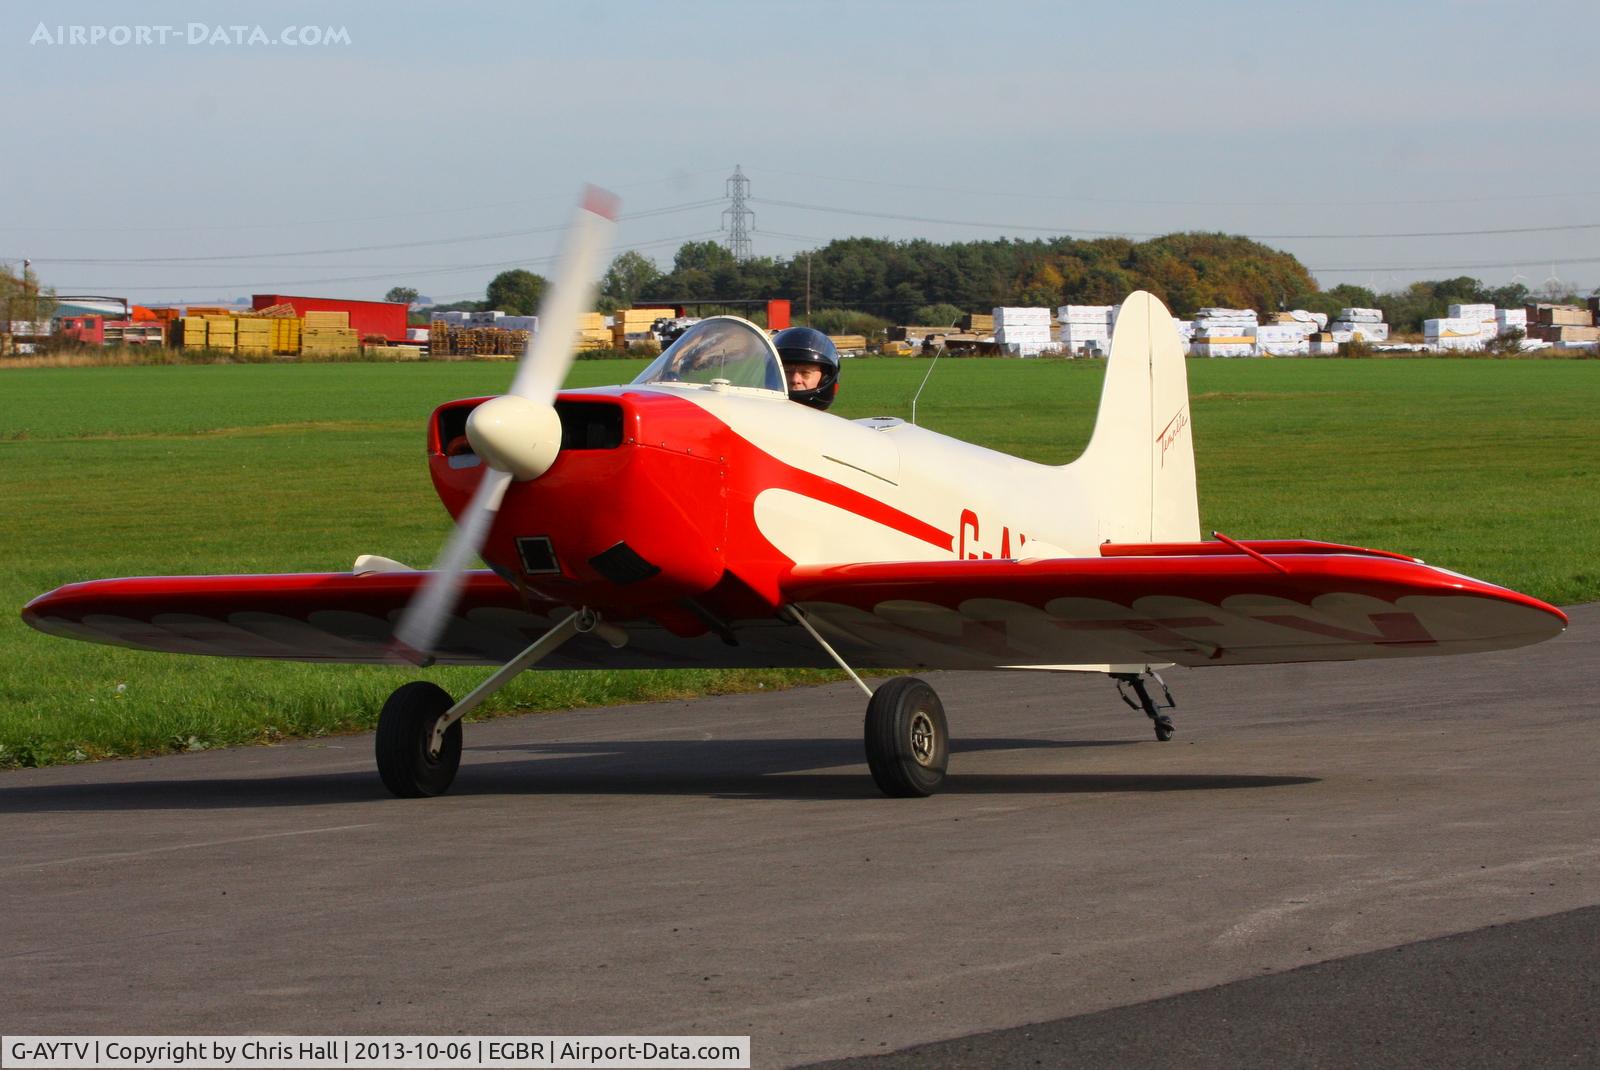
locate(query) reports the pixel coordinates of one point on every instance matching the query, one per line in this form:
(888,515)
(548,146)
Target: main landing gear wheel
(408,761)
(908,743)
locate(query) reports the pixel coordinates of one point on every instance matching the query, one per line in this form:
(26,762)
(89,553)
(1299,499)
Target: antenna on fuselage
(937,353)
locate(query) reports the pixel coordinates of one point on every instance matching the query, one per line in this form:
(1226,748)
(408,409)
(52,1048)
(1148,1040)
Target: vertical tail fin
(1139,466)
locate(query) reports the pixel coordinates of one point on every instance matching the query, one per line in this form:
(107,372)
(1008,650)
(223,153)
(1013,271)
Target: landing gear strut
(419,731)
(1140,683)
(907,740)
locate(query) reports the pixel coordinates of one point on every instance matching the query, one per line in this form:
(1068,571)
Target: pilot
(810,365)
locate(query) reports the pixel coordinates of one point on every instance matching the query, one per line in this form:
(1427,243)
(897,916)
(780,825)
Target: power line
(1152,234)
(282,284)
(1457,267)
(765,233)
(1181,203)
(495,236)
(284,223)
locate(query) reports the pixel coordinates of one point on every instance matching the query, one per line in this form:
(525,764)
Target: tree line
(921,281)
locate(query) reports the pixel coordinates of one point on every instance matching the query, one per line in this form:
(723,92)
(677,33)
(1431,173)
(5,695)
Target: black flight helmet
(806,344)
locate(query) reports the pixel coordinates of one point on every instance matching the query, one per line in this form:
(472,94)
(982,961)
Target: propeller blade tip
(399,648)
(602,202)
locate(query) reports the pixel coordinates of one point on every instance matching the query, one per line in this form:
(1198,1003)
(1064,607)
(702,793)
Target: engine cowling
(630,512)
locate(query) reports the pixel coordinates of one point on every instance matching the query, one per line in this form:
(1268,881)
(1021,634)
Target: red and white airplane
(696,517)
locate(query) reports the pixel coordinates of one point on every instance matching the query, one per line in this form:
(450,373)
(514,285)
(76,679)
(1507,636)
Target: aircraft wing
(350,617)
(1190,604)
(1195,604)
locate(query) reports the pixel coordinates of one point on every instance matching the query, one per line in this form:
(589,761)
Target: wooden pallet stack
(441,338)
(631,326)
(286,334)
(220,333)
(1561,323)
(448,340)
(593,332)
(254,336)
(286,327)
(192,330)
(849,343)
(328,334)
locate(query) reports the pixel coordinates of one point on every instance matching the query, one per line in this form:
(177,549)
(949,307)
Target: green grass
(1487,467)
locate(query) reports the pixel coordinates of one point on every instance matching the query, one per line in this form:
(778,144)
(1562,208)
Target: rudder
(1139,466)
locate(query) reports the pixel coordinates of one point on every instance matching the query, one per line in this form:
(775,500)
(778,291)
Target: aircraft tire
(404,730)
(908,742)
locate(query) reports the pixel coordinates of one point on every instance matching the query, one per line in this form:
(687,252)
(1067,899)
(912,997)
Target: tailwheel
(414,759)
(1139,682)
(908,742)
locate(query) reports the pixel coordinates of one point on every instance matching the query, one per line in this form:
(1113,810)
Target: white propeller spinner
(517,434)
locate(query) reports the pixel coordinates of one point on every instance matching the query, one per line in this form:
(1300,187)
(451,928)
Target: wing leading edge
(1190,604)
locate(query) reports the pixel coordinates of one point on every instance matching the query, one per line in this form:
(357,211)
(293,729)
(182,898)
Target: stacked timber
(1511,319)
(286,334)
(1561,324)
(915,335)
(1483,315)
(254,336)
(1453,334)
(1022,332)
(1224,332)
(593,332)
(193,331)
(448,340)
(328,334)
(1086,328)
(1364,323)
(220,333)
(1283,340)
(631,326)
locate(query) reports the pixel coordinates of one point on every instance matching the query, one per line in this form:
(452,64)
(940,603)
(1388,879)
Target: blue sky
(1328,130)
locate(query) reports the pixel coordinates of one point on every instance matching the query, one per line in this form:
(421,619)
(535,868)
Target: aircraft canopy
(723,348)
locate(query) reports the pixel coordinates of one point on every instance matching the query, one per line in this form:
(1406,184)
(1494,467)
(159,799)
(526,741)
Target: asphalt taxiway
(726,866)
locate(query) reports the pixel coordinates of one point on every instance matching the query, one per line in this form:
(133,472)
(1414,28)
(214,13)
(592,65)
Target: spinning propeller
(518,434)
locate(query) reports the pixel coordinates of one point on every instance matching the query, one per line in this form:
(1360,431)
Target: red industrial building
(367,318)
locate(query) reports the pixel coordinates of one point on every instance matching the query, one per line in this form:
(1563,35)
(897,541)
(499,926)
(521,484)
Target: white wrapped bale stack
(1366,330)
(1022,332)
(1213,348)
(1281,340)
(1224,332)
(1452,334)
(1086,327)
(1483,315)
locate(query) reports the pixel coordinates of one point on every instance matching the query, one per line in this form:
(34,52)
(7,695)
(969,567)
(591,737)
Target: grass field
(1488,467)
